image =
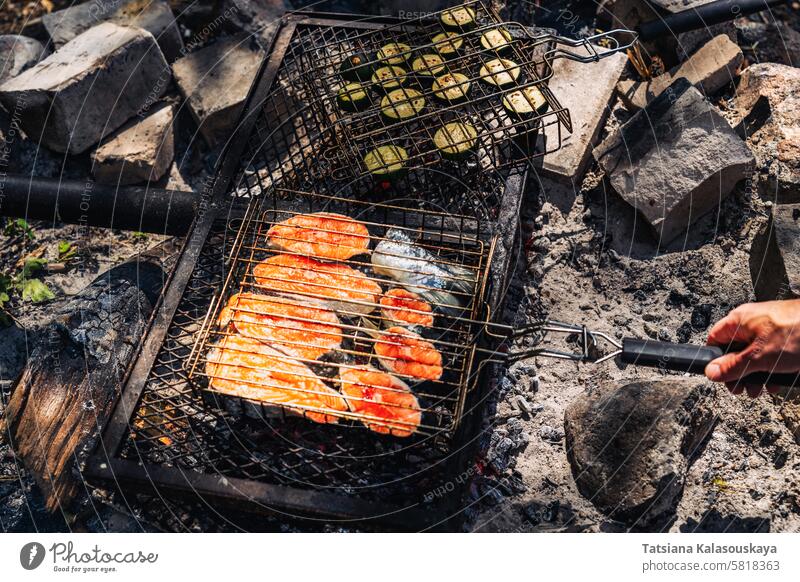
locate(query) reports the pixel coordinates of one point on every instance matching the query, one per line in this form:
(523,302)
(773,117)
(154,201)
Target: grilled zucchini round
(447,44)
(456,140)
(356,68)
(402,104)
(497,40)
(451,87)
(522,104)
(394,53)
(386,162)
(459,18)
(388,78)
(353,97)
(428,66)
(500,72)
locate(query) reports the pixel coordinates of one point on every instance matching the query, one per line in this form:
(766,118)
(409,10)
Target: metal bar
(87,203)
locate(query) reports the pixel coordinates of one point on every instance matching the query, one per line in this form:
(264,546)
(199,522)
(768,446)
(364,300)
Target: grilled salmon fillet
(298,331)
(245,367)
(322,235)
(406,353)
(332,285)
(387,402)
(403,307)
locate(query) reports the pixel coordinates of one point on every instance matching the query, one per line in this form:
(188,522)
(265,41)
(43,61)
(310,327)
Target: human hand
(771,333)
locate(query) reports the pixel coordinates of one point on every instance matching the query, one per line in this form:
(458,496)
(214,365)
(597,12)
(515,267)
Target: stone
(775,255)
(688,42)
(630,445)
(215,82)
(674,160)
(155,16)
(588,105)
(18,53)
(709,69)
(712,521)
(140,151)
(776,142)
(88,88)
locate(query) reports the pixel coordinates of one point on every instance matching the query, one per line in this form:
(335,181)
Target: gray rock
(18,53)
(88,88)
(776,143)
(155,16)
(675,160)
(769,42)
(588,105)
(689,42)
(709,69)
(630,446)
(215,82)
(140,151)
(775,255)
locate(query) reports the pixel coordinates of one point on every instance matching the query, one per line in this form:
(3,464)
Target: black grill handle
(702,16)
(690,358)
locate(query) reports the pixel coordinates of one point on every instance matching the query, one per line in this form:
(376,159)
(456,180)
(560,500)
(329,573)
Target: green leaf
(19,226)
(32,266)
(35,291)
(66,250)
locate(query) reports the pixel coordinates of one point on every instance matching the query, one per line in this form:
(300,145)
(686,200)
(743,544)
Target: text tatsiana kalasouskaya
(753,549)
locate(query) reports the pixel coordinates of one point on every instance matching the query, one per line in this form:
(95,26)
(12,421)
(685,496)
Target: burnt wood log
(74,373)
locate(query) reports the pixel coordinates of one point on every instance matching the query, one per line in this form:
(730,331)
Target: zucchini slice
(456,140)
(500,72)
(386,162)
(356,68)
(459,18)
(388,78)
(447,44)
(497,40)
(525,103)
(352,97)
(451,87)
(402,104)
(394,53)
(428,66)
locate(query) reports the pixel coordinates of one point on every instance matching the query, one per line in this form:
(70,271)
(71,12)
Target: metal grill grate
(358,328)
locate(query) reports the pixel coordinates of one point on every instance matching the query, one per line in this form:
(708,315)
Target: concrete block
(155,16)
(675,160)
(89,87)
(140,151)
(215,82)
(588,105)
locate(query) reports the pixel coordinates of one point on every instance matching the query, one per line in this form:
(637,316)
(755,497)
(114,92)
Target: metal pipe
(702,16)
(136,208)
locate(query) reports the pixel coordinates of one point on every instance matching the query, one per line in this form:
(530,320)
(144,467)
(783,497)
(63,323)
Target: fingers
(729,367)
(731,328)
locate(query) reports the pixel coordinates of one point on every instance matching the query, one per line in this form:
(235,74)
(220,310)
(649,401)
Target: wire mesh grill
(303,139)
(405,301)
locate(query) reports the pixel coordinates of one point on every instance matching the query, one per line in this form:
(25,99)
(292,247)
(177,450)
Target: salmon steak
(247,368)
(322,235)
(306,333)
(402,307)
(332,285)
(406,353)
(387,402)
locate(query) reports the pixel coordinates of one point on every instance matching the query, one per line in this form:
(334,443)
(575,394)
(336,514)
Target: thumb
(729,367)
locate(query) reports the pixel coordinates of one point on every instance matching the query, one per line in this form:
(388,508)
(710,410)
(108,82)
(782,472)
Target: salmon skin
(302,332)
(321,235)
(332,285)
(406,353)
(386,401)
(421,272)
(402,307)
(247,368)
